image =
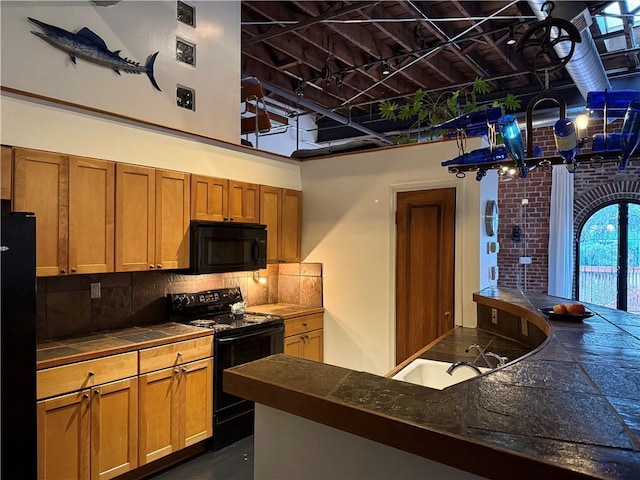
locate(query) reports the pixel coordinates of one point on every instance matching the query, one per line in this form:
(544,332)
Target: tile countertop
(569,409)
(54,353)
(285,310)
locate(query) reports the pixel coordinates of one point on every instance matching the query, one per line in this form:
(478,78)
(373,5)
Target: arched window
(608,263)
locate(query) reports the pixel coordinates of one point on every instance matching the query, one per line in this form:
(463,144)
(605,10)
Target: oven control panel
(219,297)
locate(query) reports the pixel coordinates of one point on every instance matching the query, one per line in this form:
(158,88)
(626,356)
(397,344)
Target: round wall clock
(491,218)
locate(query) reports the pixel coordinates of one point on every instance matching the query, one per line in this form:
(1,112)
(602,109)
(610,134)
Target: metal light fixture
(257,277)
(386,68)
(511,40)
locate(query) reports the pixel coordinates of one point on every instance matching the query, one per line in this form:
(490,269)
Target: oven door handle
(259,333)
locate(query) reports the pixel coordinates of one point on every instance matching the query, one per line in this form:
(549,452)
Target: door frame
(458,302)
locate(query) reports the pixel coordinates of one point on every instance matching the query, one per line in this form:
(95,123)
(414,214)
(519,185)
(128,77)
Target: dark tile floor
(234,462)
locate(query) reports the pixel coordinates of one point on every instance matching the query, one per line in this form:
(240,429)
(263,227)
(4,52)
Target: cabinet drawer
(293,326)
(76,376)
(166,356)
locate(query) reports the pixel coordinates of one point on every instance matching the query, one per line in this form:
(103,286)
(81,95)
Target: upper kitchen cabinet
(172,219)
(152,218)
(281,211)
(222,200)
(135,217)
(73,200)
(5,174)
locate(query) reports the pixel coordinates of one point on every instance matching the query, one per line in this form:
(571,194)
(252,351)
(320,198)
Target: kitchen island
(568,409)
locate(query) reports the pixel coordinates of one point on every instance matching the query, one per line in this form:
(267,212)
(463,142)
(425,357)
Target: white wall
(348,226)
(138,28)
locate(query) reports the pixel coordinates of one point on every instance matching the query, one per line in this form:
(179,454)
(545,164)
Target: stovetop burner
(212,309)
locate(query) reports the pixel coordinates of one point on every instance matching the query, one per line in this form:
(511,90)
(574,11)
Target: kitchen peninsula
(569,409)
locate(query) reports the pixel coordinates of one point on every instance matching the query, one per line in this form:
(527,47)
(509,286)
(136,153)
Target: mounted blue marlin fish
(90,47)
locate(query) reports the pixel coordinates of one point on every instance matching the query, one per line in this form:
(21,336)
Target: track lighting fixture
(511,40)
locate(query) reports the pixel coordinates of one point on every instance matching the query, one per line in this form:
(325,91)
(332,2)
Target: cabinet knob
(91,373)
(179,354)
(86,395)
(176,371)
(184,369)
(151,266)
(63,270)
(231,219)
(304,324)
(225,219)
(73,270)
(97,392)
(159,266)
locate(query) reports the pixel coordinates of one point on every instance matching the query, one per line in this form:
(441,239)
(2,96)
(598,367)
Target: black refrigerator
(18,342)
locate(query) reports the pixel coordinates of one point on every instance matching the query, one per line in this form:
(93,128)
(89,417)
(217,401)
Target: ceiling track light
(511,40)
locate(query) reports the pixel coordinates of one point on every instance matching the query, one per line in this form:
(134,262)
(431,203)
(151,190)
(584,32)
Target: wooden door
(5,173)
(244,202)
(158,415)
(172,219)
(114,429)
(291,229)
(135,218)
(209,198)
(270,213)
(196,402)
(41,186)
(63,437)
(424,268)
(91,215)
(313,346)
(293,346)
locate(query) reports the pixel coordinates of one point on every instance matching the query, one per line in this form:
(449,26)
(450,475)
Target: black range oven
(238,338)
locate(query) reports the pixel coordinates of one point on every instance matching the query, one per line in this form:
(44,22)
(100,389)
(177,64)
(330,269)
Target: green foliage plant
(427,110)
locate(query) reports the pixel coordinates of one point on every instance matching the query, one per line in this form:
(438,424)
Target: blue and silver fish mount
(90,47)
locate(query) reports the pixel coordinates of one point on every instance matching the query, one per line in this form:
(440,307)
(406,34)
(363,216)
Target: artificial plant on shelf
(433,110)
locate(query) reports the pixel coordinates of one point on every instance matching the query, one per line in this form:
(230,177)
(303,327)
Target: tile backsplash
(65,307)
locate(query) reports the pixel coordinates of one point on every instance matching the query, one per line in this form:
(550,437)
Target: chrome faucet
(463,364)
(501,360)
(479,348)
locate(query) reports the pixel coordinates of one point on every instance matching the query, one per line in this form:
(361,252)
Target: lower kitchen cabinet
(304,337)
(90,434)
(176,402)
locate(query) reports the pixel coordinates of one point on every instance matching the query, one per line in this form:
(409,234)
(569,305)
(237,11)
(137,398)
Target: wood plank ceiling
(331,54)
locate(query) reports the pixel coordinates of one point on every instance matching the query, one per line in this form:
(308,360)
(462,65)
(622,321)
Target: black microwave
(218,247)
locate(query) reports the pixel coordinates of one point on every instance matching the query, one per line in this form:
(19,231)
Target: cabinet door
(135,217)
(244,202)
(159,415)
(209,198)
(291,226)
(196,401)
(294,346)
(114,429)
(313,346)
(63,437)
(91,215)
(41,186)
(5,173)
(270,213)
(172,219)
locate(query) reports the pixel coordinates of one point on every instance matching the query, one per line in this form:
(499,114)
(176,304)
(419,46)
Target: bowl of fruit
(568,312)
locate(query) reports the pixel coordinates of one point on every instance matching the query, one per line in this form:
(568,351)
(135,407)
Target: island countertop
(569,409)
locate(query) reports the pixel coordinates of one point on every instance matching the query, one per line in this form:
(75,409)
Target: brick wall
(592,187)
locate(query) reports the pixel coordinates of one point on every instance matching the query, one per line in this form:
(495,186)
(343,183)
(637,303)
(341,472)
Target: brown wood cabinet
(6,167)
(281,211)
(73,200)
(91,433)
(152,218)
(222,200)
(303,337)
(176,397)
